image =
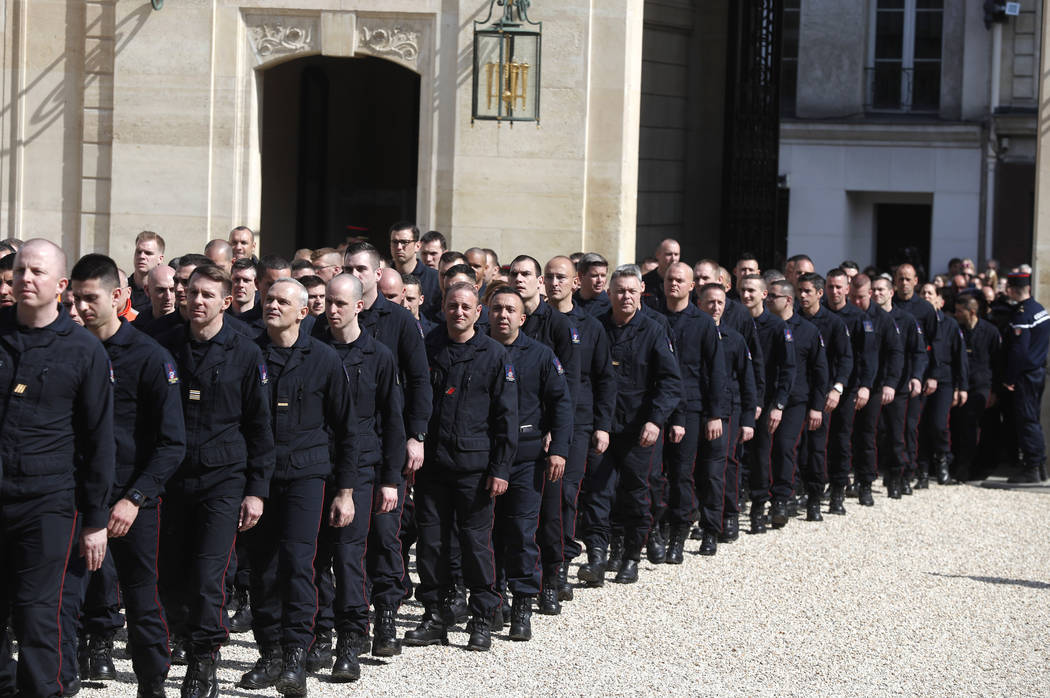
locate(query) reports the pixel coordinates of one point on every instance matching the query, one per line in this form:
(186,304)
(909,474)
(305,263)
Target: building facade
(909,130)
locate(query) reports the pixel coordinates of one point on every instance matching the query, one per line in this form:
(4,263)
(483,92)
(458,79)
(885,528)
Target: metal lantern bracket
(511,73)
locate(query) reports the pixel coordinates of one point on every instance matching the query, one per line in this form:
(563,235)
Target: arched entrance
(340,145)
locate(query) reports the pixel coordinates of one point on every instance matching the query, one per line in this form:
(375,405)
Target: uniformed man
(805,405)
(431,246)
(839,353)
(553,329)
(309,400)
(242,239)
(742,398)
(220,253)
(220,486)
(150,444)
(746,265)
(545,411)
(183,270)
(907,298)
(591,296)
(778,349)
(471,441)
(858,389)
(7,281)
(648,390)
(883,392)
(245,293)
(315,290)
(667,253)
(695,438)
(326,263)
(1024,375)
(952,376)
(595,400)
(478,260)
(894,456)
(413,302)
(404,246)
(983,352)
(57,449)
(149,253)
(160,288)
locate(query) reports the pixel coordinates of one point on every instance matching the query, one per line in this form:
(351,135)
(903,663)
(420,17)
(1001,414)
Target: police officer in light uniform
(471,441)
(545,412)
(57,448)
(742,398)
(220,487)
(1025,348)
(595,400)
(648,390)
(150,444)
(368,550)
(696,437)
(805,405)
(309,400)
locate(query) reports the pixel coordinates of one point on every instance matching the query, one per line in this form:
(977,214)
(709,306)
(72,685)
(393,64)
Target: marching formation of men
(269,438)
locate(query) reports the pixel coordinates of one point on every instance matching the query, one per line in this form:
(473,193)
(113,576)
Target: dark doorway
(902,234)
(1014,213)
(340,145)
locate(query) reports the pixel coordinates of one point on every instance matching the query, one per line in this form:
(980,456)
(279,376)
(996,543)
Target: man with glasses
(327,263)
(404,245)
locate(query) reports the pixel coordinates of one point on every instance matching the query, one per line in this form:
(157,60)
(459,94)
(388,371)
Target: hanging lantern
(506,83)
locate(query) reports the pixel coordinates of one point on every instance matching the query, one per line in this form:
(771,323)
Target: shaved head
(52,251)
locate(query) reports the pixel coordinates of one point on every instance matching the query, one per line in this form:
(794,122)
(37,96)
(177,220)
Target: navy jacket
(430,285)
(741,385)
(649,385)
(1026,341)
(738,318)
(226,405)
(701,365)
(653,289)
(837,346)
(378,405)
(544,403)
(779,352)
(147,413)
(554,329)
(811,376)
(890,349)
(983,351)
(950,351)
(310,400)
(56,414)
(913,341)
(919,308)
(474,421)
(596,307)
(596,396)
(396,328)
(864,342)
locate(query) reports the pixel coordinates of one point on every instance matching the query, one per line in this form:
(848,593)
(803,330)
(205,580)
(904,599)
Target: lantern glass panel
(506,75)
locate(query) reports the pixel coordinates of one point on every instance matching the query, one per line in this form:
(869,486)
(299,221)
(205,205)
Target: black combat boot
(320,655)
(430,631)
(676,545)
(615,552)
(1028,475)
(864,494)
(813,510)
(893,486)
(593,572)
(384,635)
(758,518)
(792,505)
(696,533)
(200,680)
(906,489)
(266,670)
(709,544)
(72,687)
(564,587)
(153,688)
(292,679)
(241,621)
(347,666)
(656,550)
(730,529)
(943,463)
(837,502)
(922,478)
(480,637)
(628,572)
(778,513)
(100,659)
(521,618)
(455,609)
(548,603)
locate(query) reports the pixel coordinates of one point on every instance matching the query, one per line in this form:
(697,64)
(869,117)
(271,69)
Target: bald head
(392,286)
(221,253)
(345,285)
(39,277)
(50,251)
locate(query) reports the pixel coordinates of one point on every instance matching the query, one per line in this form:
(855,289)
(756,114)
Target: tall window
(904,71)
(789,57)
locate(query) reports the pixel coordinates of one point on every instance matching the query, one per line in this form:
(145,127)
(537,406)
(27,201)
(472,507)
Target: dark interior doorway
(340,146)
(902,234)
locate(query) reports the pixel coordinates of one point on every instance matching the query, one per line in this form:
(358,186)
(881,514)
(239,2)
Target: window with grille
(789,57)
(904,72)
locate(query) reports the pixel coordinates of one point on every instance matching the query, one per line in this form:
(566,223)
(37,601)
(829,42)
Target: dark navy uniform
(742,398)
(544,406)
(653,289)
(430,285)
(839,354)
(473,435)
(890,368)
(951,373)
(983,350)
(57,448)
(369,548)
(648,390)
(310,399)
(738,318)
(864,344)
(595,400)
(809,392)
(595,307)
(778,347)
(894,455)
(702,366)
(150,444)
(1025,348)
(926,316)
(229,455)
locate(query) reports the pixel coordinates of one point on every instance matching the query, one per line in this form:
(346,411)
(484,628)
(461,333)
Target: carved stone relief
(272,36)
(395,42)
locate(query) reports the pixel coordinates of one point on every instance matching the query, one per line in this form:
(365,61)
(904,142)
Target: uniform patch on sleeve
(670,345)
(821,338)
(961,335)
(264,377)
(848,335)
(558,366)
(869,326)
(112,378)
(575,335)
(508,373)
(918,327)
(172,374)
(787,335)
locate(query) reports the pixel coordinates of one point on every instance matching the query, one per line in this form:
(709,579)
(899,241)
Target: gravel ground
(942,593)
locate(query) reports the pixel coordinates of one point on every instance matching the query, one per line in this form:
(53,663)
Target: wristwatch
(837,388)
(780,406)
(135,497)
(420,437)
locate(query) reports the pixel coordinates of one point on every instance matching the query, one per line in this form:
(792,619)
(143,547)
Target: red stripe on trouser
(313,559)
(725,469)
(156,582)
(61,586)
(222,585)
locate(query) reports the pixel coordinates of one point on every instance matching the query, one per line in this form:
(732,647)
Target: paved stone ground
(946,592)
